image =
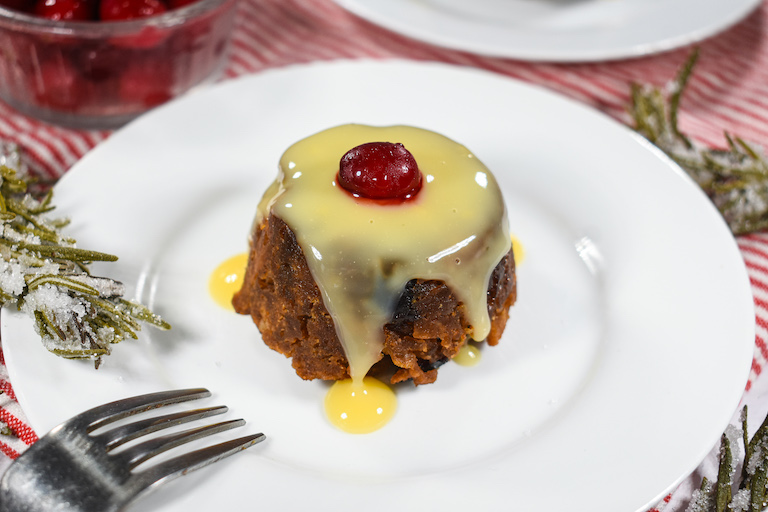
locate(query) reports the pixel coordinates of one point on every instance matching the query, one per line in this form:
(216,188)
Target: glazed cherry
(380,170)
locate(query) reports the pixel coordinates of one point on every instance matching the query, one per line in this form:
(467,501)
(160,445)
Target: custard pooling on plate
(362,253)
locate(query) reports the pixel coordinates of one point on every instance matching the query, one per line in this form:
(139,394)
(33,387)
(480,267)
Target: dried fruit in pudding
(339,283)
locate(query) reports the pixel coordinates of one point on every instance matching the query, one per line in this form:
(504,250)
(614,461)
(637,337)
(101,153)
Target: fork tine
(113,411)
(183,464)
(135,455)
(125,433)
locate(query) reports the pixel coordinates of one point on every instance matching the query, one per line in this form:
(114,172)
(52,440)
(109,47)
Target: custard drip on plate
(226,279)
(360,407)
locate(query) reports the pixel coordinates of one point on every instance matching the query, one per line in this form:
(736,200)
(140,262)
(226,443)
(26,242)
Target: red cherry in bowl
(380,170)
(65,10)
(18,5)
(119,10)
(177,4)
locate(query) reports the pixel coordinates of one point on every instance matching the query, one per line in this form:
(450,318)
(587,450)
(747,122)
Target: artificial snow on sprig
(734,490)
(46,276)
(734,178)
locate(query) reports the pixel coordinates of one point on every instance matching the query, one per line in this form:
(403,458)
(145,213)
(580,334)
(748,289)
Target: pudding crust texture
(428,325)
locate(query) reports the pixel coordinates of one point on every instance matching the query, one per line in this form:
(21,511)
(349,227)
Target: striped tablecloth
(728,92)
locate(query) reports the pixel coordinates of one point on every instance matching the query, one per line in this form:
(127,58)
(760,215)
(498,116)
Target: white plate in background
(555,30)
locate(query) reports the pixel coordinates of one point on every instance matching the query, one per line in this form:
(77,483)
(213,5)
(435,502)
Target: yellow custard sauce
(227,279)
(360,407)
(468,355)
(361,253)
(518,250)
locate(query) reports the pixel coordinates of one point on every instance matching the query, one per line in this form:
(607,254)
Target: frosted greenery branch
(45,275)
(735,178)
(737,491)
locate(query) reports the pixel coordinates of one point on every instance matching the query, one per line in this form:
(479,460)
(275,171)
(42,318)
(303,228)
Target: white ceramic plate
(621,365)
(555,30)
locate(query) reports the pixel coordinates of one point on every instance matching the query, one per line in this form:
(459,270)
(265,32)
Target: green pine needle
(43,273)
(735,178)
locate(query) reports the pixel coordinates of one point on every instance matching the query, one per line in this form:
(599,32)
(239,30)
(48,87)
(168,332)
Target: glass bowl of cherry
(97,64)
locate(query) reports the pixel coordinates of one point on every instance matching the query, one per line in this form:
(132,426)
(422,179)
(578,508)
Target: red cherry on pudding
(380,170)
(117,10)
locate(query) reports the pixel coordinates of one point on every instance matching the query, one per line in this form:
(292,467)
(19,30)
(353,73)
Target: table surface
(728,93)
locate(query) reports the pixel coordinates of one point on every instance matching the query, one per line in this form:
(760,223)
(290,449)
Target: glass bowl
(102,74)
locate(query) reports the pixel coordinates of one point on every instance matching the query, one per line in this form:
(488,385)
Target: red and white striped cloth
(728,92)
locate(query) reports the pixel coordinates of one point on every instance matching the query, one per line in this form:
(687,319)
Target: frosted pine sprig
(45,275)
(735,178)
(737,491)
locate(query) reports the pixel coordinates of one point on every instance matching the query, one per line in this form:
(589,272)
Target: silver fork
(72,470)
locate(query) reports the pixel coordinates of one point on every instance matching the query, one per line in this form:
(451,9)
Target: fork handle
(53,484)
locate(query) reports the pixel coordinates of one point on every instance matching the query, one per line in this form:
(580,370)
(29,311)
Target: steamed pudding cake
(378,244)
